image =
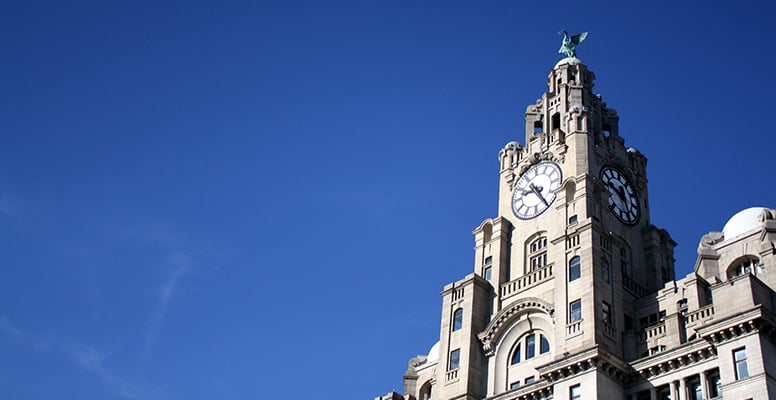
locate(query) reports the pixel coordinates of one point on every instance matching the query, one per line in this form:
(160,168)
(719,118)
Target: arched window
(425,391)
(532,347)
(544,346)
(457,319)
(745,265)
(574,268)
(516,355)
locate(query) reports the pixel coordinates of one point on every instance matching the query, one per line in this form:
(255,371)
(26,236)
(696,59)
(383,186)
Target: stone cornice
(592,358)
(536,391)
(754,320)
(676,358)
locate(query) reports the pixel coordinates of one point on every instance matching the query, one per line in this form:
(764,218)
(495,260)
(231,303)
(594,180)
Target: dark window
(530,346)
(628,322)
(574,268)
(605,271)
(624,262)
(714,384)
(455,359)
(544,345)
(742,369)
(530,379)
(537,127)
(606,312)
(487,273)
(575,311)
(664,392)
(457,319)
(514,385)
(573,219)
(695,389)
(537,255)
(556,121)
(682,306)
(516,355)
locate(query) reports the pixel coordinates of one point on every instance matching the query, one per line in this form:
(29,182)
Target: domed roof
(744,221)
(433,354)
(568,60)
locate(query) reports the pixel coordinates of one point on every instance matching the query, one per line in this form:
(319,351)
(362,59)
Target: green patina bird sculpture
(569,46)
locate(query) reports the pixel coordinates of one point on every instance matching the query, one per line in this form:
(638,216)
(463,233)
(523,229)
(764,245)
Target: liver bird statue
(569,46)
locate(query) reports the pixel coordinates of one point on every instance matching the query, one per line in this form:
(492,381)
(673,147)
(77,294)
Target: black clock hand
(617,189)
(538,192)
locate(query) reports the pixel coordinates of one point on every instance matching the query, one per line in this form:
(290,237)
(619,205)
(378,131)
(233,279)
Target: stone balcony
(526,282)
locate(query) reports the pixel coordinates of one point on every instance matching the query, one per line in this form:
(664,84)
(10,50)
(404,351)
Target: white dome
(744,221)
(569,60)
(433,354)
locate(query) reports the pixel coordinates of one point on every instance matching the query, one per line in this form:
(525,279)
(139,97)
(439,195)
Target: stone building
(573,294)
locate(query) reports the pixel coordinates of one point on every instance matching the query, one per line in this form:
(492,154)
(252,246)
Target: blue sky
(263,200)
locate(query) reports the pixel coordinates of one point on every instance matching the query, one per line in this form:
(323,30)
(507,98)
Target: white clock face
(535,190)
(623,201)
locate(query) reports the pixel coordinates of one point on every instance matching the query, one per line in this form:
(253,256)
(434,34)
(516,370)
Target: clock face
(623,201)
(535,190)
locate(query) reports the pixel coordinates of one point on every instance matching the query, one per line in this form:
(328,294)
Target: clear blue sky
(206,200)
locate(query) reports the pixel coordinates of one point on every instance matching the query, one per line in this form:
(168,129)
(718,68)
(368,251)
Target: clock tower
(572,248)
(572,293)
(558,270)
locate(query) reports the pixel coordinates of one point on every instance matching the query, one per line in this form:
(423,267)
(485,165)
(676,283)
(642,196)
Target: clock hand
(538,192)
(617,189)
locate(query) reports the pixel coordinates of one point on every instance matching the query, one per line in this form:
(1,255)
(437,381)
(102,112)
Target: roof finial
(569,46)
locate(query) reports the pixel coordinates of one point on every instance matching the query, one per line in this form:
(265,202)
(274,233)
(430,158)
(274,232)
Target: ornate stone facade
(573,294)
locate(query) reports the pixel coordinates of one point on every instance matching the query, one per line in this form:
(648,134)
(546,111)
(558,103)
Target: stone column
(704,389)
(674,390)
(652,393)
(682,390)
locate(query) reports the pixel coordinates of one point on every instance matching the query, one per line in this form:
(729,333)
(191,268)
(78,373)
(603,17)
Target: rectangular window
(606,312)
(605,271)
(682,306)
(538,261)
(739,358)
(628,322)
(487,273)
(695,390)
(573,219)
(528,380)
(574,268)
(514,385)
(575,311)
(575,392)
(714,384)
(530,346)
(455,359)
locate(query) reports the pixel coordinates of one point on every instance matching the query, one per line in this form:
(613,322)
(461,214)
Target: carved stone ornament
(711,238)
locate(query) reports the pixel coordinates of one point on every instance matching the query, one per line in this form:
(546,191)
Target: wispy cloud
(86,357)
(180,263)
(92,360)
